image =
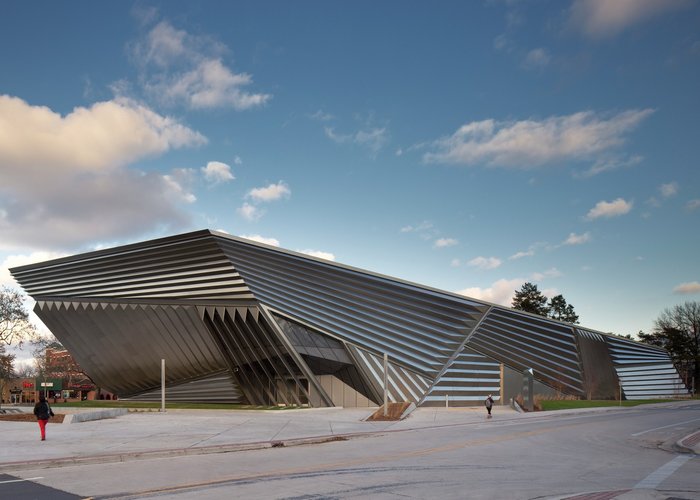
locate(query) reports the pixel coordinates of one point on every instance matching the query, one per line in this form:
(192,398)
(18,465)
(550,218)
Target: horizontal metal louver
(417,326)
(645,372)
(216,388)
(191,267)
(625,351)
(523,341)
(469,379)
(402,384)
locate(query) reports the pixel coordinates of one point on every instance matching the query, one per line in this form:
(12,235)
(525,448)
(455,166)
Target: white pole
(447,401)
(162,385)
(386,370)
(620,384)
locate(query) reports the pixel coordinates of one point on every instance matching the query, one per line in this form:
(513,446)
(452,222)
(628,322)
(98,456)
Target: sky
(467,146)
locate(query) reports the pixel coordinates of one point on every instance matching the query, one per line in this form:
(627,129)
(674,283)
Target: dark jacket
(42,410)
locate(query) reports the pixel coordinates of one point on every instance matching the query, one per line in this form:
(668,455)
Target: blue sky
(468,146)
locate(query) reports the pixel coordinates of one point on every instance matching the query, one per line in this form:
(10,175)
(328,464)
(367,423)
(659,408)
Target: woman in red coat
(43,411)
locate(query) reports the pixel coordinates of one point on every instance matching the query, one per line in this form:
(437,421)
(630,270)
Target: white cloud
(485,263)
(319,254)
(321,116)
(693,204)
(423,226)
(445,242)
(455,263)
(549,273)
(261,239)
(177,191)
(577,239)
(501,292)
(271,192)
(608,164)
(687,288)
(64,179)
(210,85)
(609,209)
(605,18)
(163,45)
(177,67)
(501,42)
(669,190)
(217,172)
(102,137)
(520,255)
(533,143)
(425,230)
(537,58)
(372,138)
(237,160)
(250,212)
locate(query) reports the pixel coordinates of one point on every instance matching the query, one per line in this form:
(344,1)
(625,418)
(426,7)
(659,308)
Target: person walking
(488,403)
(43,412)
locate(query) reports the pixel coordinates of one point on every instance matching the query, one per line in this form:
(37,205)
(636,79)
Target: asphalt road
(626,454)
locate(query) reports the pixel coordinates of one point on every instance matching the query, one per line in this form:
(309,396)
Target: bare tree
(39,354)
(6,370)
(14,319)
(26,371)
(677,329)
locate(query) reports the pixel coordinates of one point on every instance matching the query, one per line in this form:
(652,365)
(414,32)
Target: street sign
(47,384)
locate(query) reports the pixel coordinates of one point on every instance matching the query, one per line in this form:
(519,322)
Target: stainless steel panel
(468,380)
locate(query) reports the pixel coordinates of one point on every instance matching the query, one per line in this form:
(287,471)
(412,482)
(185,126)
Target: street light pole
(162,385)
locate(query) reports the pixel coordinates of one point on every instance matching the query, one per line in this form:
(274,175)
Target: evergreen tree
(530,299)
(560,310)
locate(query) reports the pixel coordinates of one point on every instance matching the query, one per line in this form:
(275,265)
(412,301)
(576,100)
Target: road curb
(174,452)
(689,443)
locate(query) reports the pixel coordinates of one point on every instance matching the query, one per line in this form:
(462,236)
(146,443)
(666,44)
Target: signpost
(46,386)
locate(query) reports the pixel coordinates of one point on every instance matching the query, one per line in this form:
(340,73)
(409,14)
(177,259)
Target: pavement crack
(280,430)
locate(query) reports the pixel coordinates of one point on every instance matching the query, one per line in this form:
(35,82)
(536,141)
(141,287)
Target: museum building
(239,321)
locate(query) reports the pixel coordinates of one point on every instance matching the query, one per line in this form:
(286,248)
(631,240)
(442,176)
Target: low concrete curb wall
(87,416)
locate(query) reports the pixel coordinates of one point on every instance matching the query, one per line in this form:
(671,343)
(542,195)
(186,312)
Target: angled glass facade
(240,321)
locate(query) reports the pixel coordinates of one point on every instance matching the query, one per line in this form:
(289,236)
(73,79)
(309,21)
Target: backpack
(43,411)
(488,402)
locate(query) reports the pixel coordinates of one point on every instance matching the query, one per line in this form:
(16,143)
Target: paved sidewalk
(182,432)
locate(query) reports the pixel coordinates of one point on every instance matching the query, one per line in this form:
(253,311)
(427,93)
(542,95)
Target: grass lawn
(564,404)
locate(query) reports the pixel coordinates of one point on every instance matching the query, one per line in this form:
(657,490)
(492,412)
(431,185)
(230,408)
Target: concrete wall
(340,393)
(512,386)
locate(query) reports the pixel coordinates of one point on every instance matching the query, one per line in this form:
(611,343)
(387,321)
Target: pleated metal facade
(240,321)
(645,371)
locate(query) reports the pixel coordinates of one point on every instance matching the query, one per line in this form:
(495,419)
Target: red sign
(27,385)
